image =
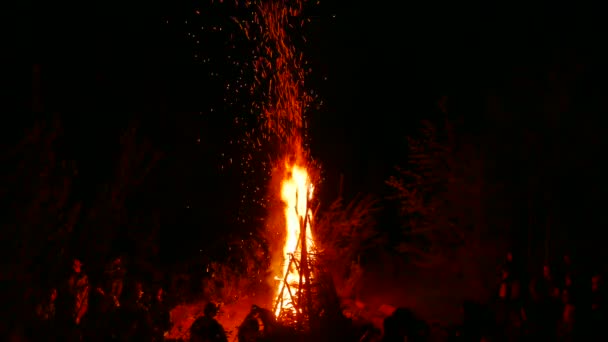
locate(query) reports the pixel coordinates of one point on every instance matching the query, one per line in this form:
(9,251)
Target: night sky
(378,69)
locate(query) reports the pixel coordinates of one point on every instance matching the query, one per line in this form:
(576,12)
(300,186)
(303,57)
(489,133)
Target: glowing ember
(280,72)
(296,191)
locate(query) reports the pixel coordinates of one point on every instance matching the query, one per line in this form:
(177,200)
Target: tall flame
(296,192)
(280,74)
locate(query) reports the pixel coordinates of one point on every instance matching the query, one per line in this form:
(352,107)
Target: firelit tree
(442,197)
(344,232)
(421,189)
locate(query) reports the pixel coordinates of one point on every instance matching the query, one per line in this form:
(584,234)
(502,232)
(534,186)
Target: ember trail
(279,101)
(280,74)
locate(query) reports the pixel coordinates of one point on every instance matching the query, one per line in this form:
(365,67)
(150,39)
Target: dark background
(507,72)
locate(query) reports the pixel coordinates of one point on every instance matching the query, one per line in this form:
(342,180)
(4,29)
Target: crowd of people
(560,303)
(563,301)
(78,310)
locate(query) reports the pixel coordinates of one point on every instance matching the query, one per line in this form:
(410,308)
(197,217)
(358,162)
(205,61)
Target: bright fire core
(296,191)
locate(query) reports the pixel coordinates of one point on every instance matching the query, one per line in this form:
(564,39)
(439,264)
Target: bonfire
(292,293)
(279,74)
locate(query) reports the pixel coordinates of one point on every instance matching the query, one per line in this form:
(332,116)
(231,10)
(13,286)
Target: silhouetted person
(74,302)
(45,320)
(78,285)
(160,316)
(567,320)
(206,328)
(509,264)
(508,305)
(98,321)
(258,325)
(45,311)
(249,330)
(115,274)
(403,324)
(392,330)
(598,316)
(135,313)
(543,310)
(477,322)
(548,283)
(502,301)
(565,269)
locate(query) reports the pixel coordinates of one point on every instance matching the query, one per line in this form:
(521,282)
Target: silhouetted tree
(39,213)
(343,232)
(444,199)
(44,219)
(111,215)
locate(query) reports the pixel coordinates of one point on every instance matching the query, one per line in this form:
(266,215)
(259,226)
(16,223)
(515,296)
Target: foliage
(440,192)
(241,274)
(343,232)
(109,213)
(249,256)
(40,215)
(225,284)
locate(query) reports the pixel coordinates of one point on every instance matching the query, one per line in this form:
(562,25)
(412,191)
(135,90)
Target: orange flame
(296,192)
(280,73)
